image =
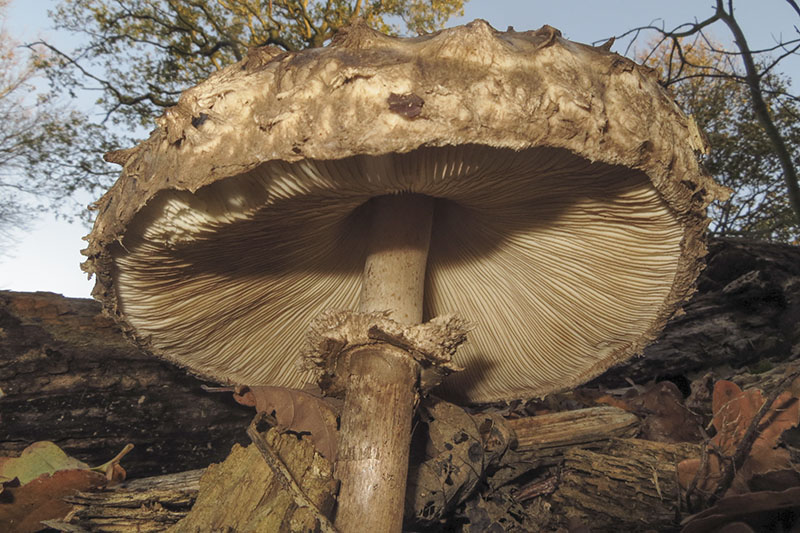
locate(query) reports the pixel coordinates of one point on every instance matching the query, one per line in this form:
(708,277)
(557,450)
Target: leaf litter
(34,485)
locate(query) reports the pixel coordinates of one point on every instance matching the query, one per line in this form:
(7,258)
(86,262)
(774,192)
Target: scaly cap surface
(568,225)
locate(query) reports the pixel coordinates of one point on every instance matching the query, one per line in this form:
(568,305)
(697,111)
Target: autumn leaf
(664,416)
(757,509)
(112,470)
(37,459)
(734,411)
(296,411)
(23,508)
(36,483)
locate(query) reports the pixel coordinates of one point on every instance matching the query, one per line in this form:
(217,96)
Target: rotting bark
(245,493)
(69,376)
(461,451)
(628,485)
(154,504)
(147,505)
(746,312)
(549,436)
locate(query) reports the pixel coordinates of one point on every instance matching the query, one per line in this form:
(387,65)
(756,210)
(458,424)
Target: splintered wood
(245,493)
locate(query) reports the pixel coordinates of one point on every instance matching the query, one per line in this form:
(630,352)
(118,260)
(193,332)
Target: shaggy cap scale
(567,225)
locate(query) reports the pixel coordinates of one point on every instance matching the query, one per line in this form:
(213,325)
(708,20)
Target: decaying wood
(147,505)
(293,492)
(551,435)
(746,312)
(69,376)
(628,485)
(154,504)
(461,450)
(244,493)
(284,475)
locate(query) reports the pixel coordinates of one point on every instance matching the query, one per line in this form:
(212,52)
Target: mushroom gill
(563,265)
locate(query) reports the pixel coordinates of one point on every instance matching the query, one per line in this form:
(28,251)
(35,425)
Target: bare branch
(794,6)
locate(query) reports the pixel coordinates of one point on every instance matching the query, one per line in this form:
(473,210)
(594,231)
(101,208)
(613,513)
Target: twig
(701,471)
(288,481)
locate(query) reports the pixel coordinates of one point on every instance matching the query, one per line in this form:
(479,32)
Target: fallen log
(628,485)
(69,376)
(147,505)
(746,312)
(155,504)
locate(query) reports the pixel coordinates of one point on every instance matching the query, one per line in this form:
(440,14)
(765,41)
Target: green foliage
(143,53)
(138,55)
(37,167)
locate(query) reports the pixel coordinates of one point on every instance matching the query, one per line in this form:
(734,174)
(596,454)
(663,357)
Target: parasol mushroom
(546,191)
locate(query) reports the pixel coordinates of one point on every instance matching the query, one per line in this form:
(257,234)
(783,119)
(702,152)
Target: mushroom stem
(375,436)
(394,272)
(374,439)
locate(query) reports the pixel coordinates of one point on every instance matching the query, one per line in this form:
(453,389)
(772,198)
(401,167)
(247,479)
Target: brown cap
(568,222)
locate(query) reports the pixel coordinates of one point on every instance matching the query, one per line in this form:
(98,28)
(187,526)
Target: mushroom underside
(563,265)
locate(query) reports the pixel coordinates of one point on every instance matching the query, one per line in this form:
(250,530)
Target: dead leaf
(112,469)
(23,508)
(296,411)
(664,416)
(39,458)
(734,411)
(35,484)
(757,509)
(449,467)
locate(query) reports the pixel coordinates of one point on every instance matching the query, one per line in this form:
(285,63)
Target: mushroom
(546,191)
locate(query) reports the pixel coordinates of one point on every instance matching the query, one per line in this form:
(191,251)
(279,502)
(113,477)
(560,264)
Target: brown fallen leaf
(23,508)
(296,411)
(664,416)
(35,484)
(448,462)
(734,411)
(112,470)
(757,509)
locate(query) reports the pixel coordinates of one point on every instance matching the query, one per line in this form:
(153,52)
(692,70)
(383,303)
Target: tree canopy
(741,155)
(142,53)
(137,56)
(36,164)
(752,117)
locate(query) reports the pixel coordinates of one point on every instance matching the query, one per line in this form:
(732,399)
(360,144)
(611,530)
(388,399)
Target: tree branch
(753,80)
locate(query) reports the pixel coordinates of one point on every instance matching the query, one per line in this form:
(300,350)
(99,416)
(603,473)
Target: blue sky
(47,256)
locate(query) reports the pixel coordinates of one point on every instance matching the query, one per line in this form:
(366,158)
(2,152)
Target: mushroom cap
(568,223)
